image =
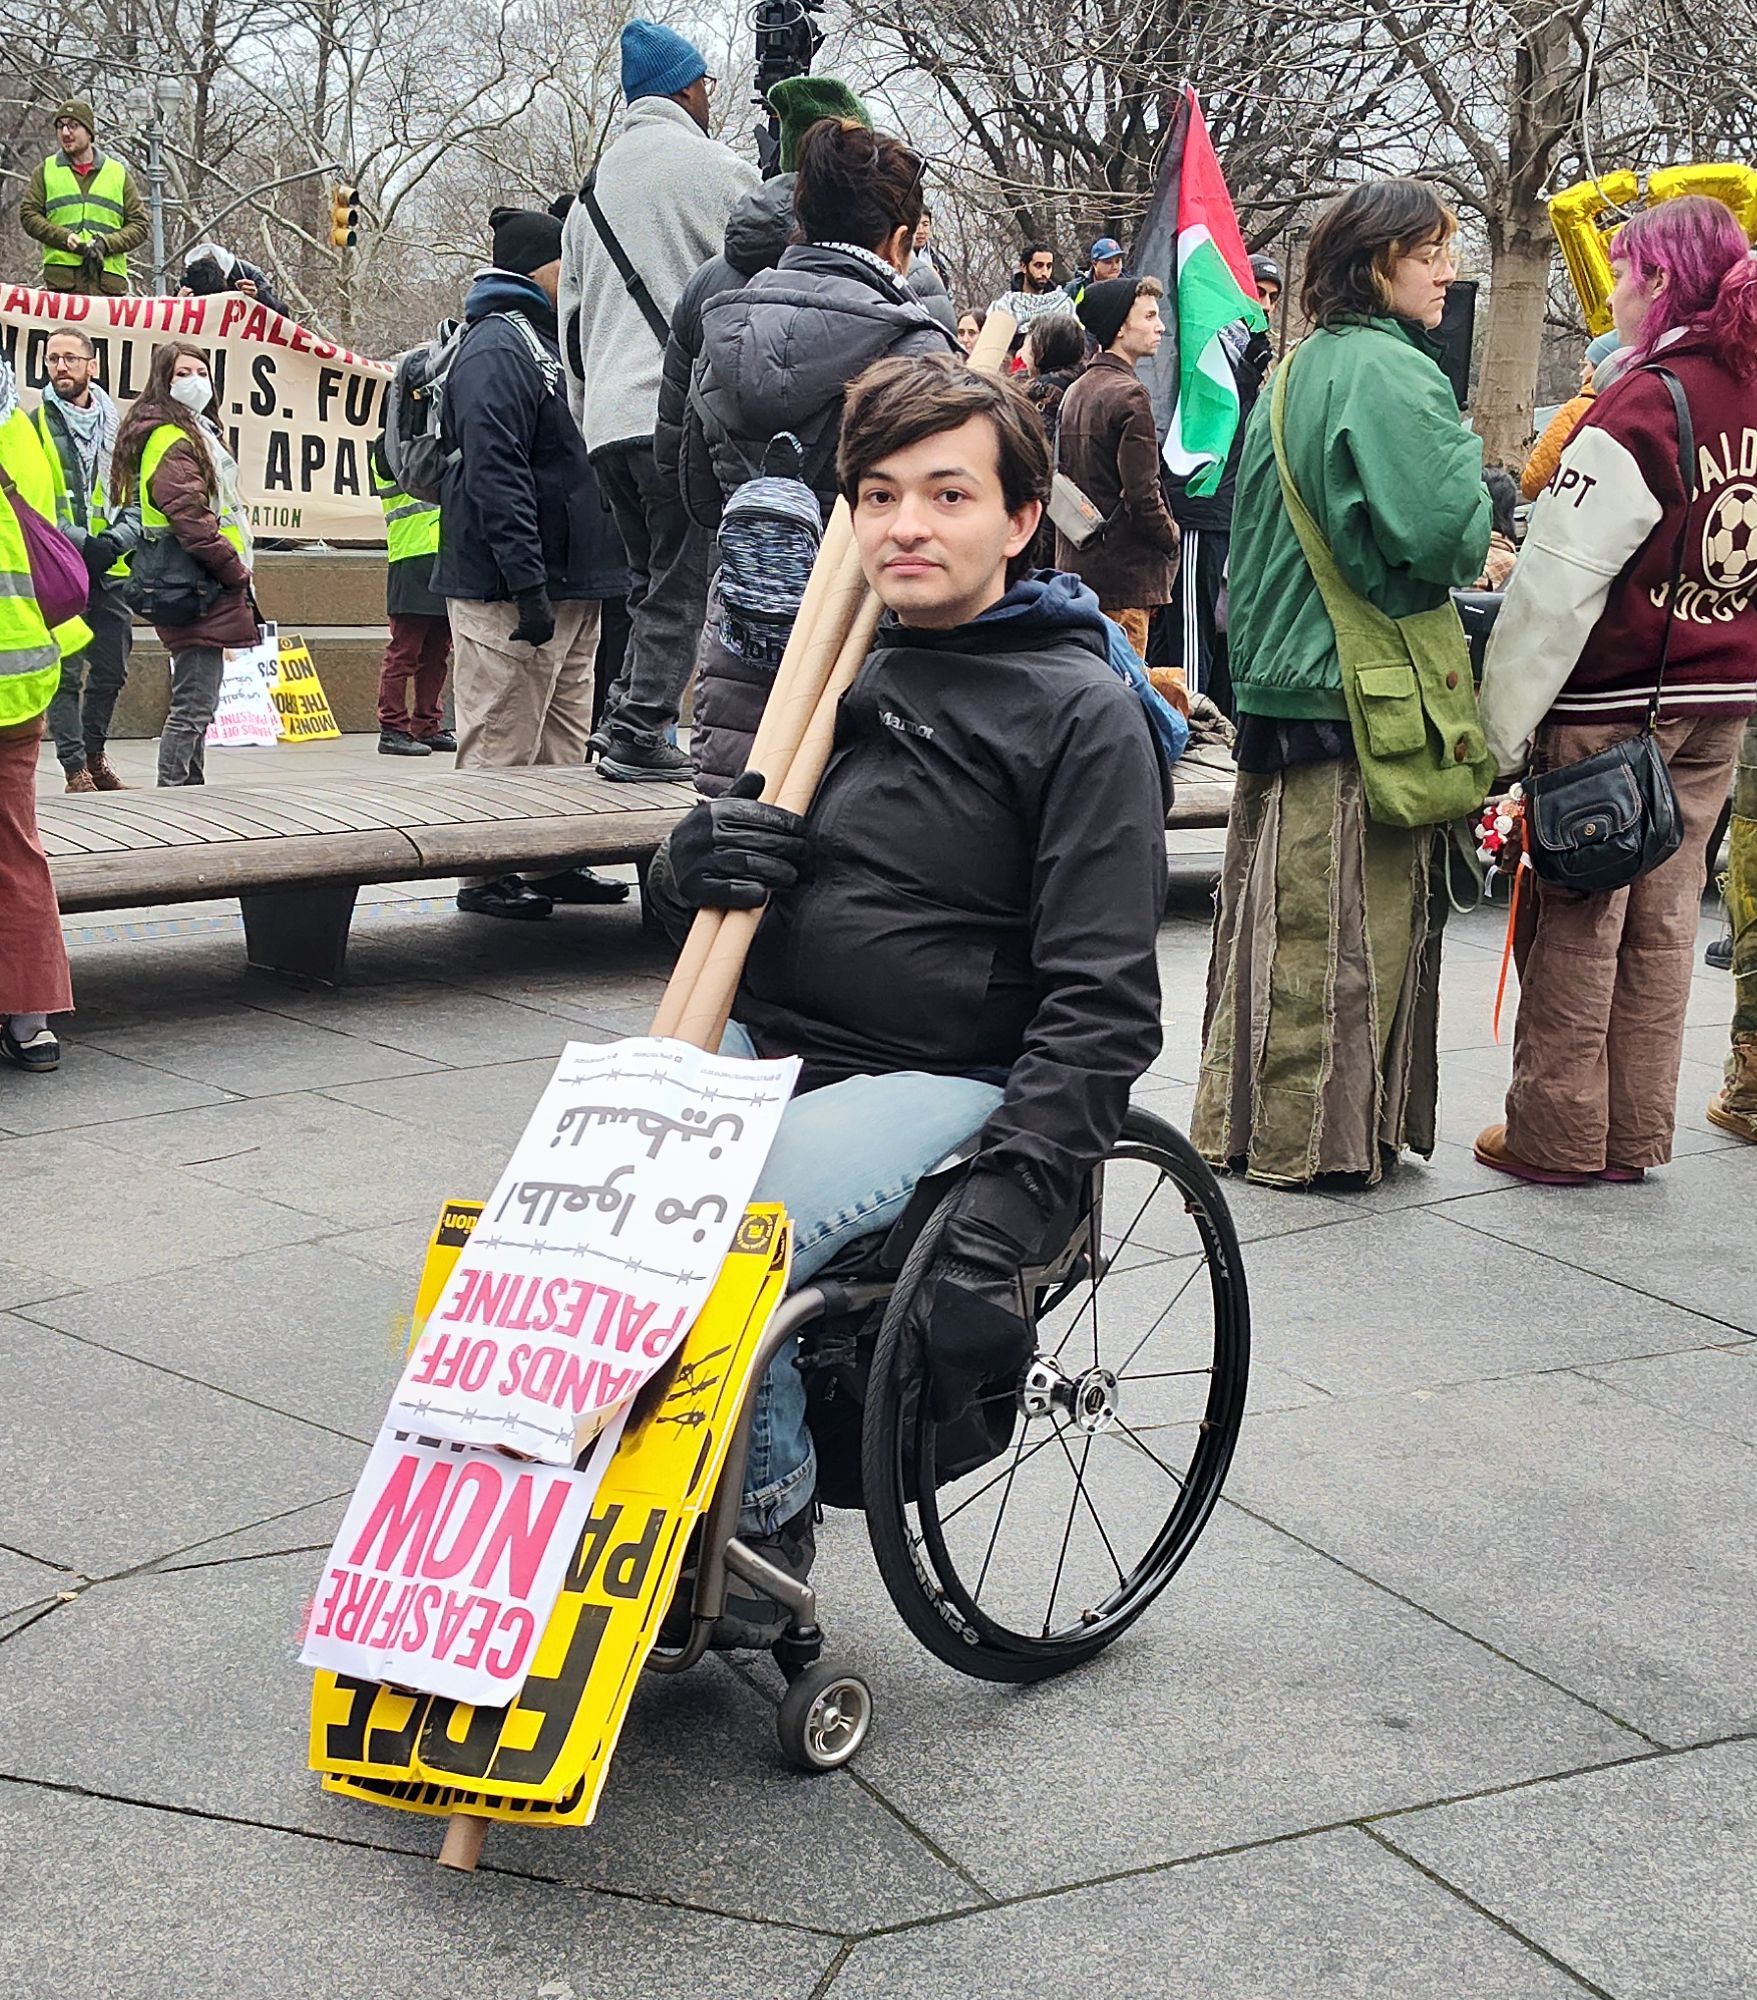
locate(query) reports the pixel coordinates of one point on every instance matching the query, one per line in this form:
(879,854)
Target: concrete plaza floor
(1455,1700)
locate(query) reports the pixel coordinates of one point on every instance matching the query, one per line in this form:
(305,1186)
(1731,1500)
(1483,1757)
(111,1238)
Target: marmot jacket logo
(892,720)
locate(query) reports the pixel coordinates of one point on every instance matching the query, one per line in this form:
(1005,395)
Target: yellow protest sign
(301,706)
(545,1756)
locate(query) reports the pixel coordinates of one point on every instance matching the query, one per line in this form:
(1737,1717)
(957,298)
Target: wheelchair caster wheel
(823,1718)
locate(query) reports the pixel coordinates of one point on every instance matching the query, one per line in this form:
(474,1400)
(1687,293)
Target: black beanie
(1105,307)
(525,239)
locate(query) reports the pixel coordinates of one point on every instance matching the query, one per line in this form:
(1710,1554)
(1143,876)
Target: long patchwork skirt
(1321,1036)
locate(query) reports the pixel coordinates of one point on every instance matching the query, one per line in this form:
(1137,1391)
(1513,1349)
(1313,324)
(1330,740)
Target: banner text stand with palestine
(299,411)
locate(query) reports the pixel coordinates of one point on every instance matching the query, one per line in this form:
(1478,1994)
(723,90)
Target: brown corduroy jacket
(1107,445)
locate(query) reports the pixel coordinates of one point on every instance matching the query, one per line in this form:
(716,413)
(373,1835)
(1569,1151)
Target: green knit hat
(79,111)
(800,101)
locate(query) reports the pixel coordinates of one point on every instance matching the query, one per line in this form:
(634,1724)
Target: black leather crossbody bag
(1598,824)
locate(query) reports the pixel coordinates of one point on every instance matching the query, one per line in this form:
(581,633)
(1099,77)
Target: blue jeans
(845,1163)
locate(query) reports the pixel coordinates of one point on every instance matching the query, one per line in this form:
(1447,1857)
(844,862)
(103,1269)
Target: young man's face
(1106,267)
(70,368)
(923,230)
(75,140)
(933,529)
(1040,271)
(1141,332)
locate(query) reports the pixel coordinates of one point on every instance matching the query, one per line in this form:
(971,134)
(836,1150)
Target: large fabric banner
(299,412)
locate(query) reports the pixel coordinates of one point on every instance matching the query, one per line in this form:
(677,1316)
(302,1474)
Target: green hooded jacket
(1382,459)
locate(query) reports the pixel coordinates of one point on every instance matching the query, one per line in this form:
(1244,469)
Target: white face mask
(194,392)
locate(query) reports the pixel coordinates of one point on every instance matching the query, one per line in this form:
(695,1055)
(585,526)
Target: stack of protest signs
(520,1519)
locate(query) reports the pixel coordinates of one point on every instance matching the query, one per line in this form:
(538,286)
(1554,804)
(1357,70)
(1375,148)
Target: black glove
(967,1316)
(100,552)
(733,853)
(536,626)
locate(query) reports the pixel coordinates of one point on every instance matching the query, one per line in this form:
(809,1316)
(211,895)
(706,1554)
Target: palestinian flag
(1213,288)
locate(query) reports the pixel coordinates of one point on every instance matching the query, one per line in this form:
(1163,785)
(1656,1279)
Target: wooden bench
(295,856)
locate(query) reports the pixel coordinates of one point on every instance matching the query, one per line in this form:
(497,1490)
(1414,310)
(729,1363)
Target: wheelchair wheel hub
(1088,1400)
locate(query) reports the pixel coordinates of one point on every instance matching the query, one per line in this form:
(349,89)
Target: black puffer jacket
(757,231)
(986,890)
(777,355)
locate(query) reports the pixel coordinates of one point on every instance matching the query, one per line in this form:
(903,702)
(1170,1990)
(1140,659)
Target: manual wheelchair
(1128,1411)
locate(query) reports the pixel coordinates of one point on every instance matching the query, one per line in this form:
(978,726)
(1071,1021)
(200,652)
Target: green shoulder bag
(1407,681)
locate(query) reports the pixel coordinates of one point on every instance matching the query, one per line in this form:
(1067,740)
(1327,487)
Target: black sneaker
(578,885)
(39,1055)
(441,739)
(750,1622)
(509,897)
(1720,954)
(399,743)
(631,759)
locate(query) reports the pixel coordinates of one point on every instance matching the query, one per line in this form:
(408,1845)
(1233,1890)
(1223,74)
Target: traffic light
(344,215)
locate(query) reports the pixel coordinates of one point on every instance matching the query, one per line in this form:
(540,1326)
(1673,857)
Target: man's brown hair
(897,403)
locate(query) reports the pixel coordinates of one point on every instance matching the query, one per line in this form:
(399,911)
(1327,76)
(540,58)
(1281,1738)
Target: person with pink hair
(1590,623)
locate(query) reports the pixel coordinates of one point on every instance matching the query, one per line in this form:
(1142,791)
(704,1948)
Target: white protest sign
(447,1565)
(245,713)
(597,1248)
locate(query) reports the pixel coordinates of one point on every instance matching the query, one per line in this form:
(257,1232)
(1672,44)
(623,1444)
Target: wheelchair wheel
(1122,1428)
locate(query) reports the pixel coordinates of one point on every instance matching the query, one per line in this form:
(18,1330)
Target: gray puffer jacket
(777,356)
(757,231)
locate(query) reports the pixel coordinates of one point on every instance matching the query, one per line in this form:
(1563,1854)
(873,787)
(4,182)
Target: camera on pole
(344,215)
(786,40)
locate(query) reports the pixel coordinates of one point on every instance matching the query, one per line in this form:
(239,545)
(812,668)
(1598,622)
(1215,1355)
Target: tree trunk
(1519,274)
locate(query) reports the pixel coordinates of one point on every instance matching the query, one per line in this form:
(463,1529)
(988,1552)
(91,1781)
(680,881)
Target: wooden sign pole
(831,636)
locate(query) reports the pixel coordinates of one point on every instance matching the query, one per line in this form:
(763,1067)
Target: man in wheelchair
(959,934)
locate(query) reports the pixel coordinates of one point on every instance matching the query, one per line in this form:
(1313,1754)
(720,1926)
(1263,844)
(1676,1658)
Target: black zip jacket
(520,510)
(987,886)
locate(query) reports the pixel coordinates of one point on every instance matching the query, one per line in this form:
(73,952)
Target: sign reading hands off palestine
(596,1249)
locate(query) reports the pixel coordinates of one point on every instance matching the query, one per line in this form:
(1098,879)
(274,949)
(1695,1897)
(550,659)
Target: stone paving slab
(132,1219)
(1393,1301)
(22,1287)
(438,1023)
(489,1105)
(1644,1879)
(1333,1917)
(1715,1387)
(110,1463)
(701,1806)
(309,1530)
(314,1153)
(325,1342)
(138,1905)
(1683,1234)
(1589,1536)
(1267,1692)
(93,1091)
(25,1581)
(238,1050)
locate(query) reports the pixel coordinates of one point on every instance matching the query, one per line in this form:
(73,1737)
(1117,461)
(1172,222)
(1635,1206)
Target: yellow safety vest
(30,654)
(90,204)
(411,527)
(97,507)
(154,520)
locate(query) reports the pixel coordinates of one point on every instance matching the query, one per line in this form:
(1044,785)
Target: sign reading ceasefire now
(543,1755)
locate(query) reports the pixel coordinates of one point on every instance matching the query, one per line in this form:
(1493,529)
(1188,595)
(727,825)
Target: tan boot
(1734,1106)
(104,774)
(81,780)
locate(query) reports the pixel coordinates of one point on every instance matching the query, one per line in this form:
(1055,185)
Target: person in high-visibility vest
(419,651)
(85,208)
(77,423)
(34,980)
(171,457)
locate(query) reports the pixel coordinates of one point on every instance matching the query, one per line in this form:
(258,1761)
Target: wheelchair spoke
(1079,1473)
(1170,1305)
(1061,1560)
(1020,1457)
(1176,1478)
(1000,1512)
(1165,1375)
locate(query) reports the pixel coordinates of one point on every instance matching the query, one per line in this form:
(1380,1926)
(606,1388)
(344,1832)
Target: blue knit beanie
(657,61)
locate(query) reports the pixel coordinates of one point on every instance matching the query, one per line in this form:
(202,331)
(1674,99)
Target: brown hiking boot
(103,774)
(81,780)
(1734,1106)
